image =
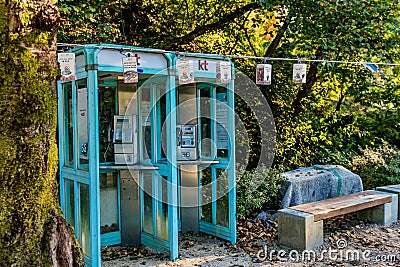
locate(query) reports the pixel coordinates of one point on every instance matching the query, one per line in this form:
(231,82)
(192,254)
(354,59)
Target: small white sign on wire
(299,73)
(263,74)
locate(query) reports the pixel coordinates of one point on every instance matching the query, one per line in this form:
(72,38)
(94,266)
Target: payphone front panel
(186,142)
(125,139)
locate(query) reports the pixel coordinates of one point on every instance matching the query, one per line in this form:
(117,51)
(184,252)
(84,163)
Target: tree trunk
(278,37)
(340,101)
(32,231)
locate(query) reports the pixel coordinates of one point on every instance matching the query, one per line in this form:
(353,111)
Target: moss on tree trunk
(32,231)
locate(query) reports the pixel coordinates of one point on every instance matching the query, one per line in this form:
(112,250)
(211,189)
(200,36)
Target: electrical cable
(265,59)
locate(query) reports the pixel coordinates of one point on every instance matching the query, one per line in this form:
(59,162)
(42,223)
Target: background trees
(340,113)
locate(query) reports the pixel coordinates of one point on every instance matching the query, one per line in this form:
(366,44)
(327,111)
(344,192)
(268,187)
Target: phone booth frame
(85,178)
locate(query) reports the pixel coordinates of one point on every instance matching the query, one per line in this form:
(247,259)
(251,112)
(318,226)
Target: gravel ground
(347,242)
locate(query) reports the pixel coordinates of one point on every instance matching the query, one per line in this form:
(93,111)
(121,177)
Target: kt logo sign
(203,65)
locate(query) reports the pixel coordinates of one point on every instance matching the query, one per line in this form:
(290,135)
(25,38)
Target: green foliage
(93,21)
(378,166)
(345,108)
(146,23)
(258,189)
(330,119)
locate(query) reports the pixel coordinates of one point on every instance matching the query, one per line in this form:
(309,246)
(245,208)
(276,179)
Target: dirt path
(359,245)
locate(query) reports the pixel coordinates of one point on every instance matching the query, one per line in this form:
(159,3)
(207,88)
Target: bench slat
(397,186)
(332,207)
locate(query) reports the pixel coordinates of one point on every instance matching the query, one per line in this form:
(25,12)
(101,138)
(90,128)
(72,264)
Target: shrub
(378,166)
(258,189)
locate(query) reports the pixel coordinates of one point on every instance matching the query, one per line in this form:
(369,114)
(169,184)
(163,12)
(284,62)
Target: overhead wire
(265,59)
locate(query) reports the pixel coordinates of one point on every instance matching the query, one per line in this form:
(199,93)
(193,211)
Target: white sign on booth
(147,60)
(67,66)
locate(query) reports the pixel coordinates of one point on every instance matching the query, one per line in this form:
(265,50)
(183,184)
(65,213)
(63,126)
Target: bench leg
(384,214)
(298,230)
(392,190)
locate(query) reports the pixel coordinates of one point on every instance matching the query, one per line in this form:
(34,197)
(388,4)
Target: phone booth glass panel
(146,119)
(84,218)
(68,125)
(82,117)
(109,215)
(206,195)
(205,123)
(162,207)
(222,198)
(107,110)
(147,207)
(69,202)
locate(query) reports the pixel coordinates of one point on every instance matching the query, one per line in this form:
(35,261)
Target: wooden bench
(301,227)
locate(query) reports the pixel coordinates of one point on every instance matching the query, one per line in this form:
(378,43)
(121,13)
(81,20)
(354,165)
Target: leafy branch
(203,29)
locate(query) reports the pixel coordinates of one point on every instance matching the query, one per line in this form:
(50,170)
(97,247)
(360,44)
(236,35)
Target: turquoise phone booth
(146,151)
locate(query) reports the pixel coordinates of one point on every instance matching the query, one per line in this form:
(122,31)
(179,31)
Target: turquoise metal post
(60,107)
(93,145)
(232,159)
(171,156)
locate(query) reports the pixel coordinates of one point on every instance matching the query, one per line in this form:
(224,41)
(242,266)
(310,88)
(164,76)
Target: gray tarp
(318,182)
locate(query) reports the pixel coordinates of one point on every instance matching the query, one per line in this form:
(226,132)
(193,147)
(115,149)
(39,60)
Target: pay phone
(125,139)
(186,142)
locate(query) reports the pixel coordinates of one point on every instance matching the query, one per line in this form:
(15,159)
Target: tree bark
(32,231)
(340,100)
(277,39)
